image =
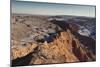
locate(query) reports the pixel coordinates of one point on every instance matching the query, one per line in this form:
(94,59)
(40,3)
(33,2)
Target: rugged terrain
(46,40)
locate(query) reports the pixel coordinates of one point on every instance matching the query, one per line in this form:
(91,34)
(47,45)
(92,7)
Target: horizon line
(53,15)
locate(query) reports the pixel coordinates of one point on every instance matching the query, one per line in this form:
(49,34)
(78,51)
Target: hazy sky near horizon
(52,9)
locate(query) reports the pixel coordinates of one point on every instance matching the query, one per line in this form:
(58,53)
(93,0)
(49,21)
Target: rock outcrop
(64,48)
(20,51)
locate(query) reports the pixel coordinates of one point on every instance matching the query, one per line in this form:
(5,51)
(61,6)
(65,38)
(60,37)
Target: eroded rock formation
(64,48)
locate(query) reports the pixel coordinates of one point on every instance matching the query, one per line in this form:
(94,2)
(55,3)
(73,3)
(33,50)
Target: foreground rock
(64,48)
(20,51)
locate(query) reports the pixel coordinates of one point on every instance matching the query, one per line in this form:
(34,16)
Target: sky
(37,8)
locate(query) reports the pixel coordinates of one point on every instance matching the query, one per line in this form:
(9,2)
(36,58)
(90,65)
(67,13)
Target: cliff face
(64,48)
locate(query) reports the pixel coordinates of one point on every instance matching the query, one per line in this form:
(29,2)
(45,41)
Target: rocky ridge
(39,40)
(64,48)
